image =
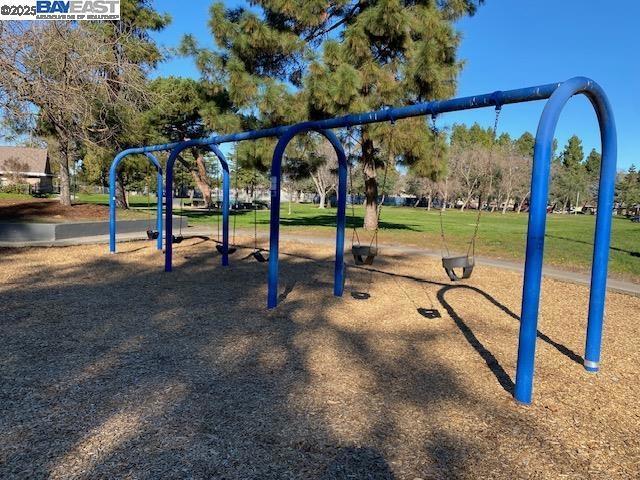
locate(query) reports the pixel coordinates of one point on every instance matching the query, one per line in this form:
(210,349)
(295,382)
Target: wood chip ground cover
(112,369)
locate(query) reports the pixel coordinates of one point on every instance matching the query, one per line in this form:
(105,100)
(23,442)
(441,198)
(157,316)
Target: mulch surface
(111,368)
(50,210)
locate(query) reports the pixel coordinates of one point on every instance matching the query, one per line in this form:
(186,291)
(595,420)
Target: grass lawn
(568,244)
(136,201)
(15,196)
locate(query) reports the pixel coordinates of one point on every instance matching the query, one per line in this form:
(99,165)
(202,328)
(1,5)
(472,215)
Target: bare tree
(421,187)
(515,170)
(58,77)
(323,172)
(469,167)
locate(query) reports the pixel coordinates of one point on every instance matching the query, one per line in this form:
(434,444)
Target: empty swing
(152,233)
(366,254)
(219,242)
(453,263)
(257,252)
(179,238)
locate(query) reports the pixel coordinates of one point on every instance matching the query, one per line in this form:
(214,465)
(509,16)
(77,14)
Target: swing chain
(472,244)
(354,232)
(436,133)
(374,238)
(255,211)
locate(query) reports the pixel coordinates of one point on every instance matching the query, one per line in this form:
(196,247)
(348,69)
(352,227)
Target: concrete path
(394,248)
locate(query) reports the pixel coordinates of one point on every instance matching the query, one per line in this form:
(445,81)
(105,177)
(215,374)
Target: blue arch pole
(113,171)
(274,237)
(175,152)
(159,188)
(519,95)
(540,177)
(536,230)
(226,186)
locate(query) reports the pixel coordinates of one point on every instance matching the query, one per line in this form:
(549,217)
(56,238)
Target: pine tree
(571,180)
(573,155)
(592,163)
(525,144)
(286,60)
(628,190)
(390,52)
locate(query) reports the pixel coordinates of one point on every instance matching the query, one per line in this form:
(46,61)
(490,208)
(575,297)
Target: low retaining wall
(11,232)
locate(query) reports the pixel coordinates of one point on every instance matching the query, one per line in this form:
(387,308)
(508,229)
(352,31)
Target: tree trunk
(522,200)
(201,178)
(323,199)
(429,202)
(445,195)
(121,192)
(65,181)
(506,204)
(62,159)
(320,190)
(370,182)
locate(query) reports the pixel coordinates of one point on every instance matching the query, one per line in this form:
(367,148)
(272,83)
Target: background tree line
(84,89)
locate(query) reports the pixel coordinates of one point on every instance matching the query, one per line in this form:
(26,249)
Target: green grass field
(568,244)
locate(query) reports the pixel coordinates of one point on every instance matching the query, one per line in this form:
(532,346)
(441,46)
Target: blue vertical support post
(274,220)
(602,236)
(341,216)
(536,229)
(168,194)
(274,224)
(112,200)
(159,187)
(226,187)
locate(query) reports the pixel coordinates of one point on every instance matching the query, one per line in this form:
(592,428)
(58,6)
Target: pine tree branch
(335,25)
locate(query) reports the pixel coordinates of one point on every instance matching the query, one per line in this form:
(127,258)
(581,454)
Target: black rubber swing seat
(230,250)
(152,234)
(363,254)
(176,238)
(464,262)
(260,257)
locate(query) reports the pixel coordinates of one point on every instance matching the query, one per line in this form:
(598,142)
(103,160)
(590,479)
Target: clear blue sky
(511,44)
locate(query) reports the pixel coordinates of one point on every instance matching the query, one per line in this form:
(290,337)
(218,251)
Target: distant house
(24,165)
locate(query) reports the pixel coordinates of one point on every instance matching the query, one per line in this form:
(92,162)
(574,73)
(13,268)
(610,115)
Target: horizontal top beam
(495,99)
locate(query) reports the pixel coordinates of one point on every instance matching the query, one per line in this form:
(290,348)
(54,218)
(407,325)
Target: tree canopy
(284,61)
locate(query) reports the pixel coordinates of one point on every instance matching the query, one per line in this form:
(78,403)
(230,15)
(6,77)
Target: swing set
(556,94)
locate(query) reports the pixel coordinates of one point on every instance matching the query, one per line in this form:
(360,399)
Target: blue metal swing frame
(556,94)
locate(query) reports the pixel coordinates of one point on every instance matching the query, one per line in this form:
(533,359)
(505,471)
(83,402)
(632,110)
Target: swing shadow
(134,250)
(503,378)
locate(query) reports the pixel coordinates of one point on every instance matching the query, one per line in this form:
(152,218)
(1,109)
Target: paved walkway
(549,272)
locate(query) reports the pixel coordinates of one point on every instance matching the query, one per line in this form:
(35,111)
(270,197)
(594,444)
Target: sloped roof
(28,160)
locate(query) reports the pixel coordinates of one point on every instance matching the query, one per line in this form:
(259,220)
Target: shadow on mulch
(498,371)
(116,369)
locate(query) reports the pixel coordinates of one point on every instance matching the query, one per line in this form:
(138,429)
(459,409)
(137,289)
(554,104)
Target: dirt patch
(45,210)
(113,369)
